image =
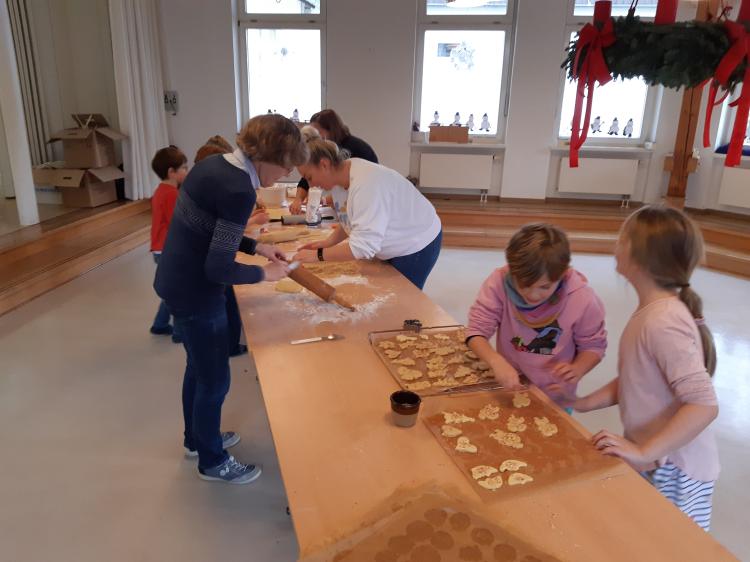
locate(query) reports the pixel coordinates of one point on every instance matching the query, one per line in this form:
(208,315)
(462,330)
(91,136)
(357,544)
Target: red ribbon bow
(593,68)
(737,53)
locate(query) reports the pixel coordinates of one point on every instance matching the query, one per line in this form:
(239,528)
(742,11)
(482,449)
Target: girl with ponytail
(666,360)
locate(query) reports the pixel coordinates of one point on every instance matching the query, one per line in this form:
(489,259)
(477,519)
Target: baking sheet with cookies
(507,442)
(432,361)
(432,528)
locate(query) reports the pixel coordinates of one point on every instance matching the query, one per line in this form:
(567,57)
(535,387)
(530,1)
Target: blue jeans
(417,266)
(206,382)
(161,320)
(234,321)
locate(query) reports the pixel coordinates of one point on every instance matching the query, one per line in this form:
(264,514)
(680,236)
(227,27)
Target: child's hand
(567,372)
(505,374)
(259,217)
(617,446)
(275,271)
(296,207)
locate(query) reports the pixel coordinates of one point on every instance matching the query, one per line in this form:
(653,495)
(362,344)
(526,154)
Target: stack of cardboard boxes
(87,176)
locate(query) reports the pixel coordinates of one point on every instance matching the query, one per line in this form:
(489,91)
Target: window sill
(722,157)
(460,145)
(635,152)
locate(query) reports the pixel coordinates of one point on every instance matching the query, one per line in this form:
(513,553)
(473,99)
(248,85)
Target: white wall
(6,180)
(74,51)
(370,72)
(198,62)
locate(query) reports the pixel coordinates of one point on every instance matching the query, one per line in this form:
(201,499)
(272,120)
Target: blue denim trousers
(161,320)
(417,266)
(206,382)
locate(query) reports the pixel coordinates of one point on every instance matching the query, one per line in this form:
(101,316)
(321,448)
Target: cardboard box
(451,133)
(81,188)
(91,144)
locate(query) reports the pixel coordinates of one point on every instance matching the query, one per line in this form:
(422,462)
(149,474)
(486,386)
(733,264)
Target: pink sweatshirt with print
(534,352)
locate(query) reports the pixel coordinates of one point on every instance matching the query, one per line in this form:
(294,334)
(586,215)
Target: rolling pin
(316,285)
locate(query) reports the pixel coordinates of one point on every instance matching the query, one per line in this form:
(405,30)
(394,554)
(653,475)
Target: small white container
(273,196)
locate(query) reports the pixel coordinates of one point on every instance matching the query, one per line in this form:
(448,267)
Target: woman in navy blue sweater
(198,262)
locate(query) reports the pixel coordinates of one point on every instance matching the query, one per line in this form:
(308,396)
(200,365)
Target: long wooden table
(341,457)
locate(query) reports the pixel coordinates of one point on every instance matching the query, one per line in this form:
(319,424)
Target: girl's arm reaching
(687,423)
(605,397)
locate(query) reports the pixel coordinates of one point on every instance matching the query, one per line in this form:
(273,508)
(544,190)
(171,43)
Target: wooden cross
(683,164)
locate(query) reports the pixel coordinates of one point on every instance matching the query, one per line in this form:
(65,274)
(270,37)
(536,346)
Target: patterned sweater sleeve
(589,331)
(233,210)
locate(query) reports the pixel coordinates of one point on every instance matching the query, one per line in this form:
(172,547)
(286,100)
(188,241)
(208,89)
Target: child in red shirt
(170,164)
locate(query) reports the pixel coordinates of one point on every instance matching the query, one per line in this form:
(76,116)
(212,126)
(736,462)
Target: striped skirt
(693,497)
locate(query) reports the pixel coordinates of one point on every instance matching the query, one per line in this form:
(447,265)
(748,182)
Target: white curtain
(138,81)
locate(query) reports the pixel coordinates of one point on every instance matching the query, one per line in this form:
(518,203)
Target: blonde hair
(668,246)
(535,250)
(273,139)
(309,132)
(321,149)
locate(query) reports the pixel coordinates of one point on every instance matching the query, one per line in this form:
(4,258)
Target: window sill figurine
(628,130)
(456,120)
(470,122)
(614,128)
(485,126)
(596,126)
(435,120)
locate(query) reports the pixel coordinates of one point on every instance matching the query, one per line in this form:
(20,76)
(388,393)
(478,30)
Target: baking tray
(567,456)
(434,528)
(422,337)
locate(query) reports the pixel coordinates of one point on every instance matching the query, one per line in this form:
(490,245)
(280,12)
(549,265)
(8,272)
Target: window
(462,74)
(281,43)
(282,6)
(622,110)
(466,7)
(645,8)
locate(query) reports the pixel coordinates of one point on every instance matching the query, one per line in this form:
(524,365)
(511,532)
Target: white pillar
(15,125)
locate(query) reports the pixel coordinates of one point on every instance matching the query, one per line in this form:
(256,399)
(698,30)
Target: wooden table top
(341,457)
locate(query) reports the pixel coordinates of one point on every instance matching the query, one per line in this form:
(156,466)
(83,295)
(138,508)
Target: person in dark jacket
(198,263)
(331,127)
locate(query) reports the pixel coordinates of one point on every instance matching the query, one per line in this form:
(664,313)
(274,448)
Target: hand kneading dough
(286,285)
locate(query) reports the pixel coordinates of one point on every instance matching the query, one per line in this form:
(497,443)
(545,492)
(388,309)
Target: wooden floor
(36,259)
(591,227)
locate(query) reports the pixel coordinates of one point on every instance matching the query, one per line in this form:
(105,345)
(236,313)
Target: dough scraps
(521,399)
(387,345)
(409,374)
(463,445)
(492,484)
(456,417)
(545,427)
(421,385)
(516,424)
(462,371)
(489,412)
(508,439)
(482,471)
(451,431)
(512,465)
(392,353)
(519,478)
(406,361)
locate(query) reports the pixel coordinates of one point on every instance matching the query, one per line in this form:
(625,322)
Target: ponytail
(694,303)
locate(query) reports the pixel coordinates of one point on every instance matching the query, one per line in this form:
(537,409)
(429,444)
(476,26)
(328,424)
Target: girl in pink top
(549,322)
(665,363)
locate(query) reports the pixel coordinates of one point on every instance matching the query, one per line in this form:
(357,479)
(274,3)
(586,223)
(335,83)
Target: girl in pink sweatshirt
(666,360)
(549,322)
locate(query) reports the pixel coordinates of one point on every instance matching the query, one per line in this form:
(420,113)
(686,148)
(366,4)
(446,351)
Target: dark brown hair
(668,246)
(215,145)
(331,122)
(166,158)
(273,139)
(535,250)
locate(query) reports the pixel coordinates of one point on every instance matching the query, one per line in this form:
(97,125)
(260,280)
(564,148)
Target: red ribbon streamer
(733,58)
(593,68)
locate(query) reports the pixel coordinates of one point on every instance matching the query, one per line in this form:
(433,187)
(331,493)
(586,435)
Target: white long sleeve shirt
(384,215)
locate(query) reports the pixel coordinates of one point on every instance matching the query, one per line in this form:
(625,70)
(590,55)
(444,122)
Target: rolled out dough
(286,285)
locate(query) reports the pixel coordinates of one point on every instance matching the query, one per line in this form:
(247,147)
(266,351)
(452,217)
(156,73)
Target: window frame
(505,22)
(248,21)
(650,107)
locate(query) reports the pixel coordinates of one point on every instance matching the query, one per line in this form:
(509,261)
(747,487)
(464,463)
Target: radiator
(735,187)
(455,171)
(601,176)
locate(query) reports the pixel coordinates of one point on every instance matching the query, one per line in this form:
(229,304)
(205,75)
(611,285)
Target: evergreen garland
(677,55)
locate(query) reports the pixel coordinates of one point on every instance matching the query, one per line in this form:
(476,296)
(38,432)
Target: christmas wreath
(678,55)
(663,52)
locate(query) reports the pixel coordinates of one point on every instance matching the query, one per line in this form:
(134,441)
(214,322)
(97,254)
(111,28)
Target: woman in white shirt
(382,215)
